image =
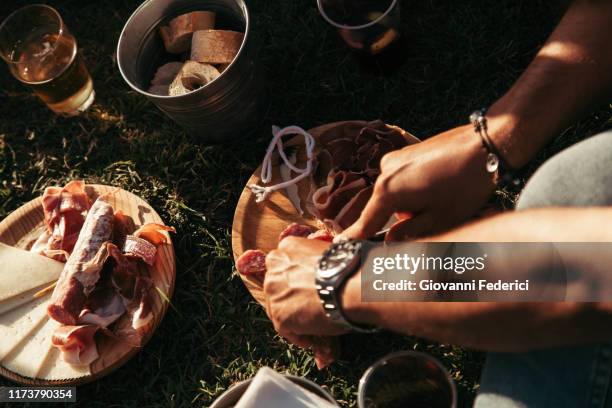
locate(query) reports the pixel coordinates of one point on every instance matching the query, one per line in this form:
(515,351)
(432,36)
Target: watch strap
(329,289)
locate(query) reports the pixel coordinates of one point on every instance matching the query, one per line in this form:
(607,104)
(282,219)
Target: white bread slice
(22,271)
(215,46)
(192,76)
(177,34)
(17,325)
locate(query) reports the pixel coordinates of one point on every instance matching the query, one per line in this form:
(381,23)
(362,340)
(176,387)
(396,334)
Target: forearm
(506,327)
(502,326)
(568,75)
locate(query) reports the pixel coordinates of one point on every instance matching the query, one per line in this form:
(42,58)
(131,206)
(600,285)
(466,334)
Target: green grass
(458,56)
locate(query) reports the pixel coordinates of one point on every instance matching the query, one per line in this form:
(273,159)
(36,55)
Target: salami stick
(82,270)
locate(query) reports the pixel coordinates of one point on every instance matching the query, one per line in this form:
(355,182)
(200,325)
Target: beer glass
(369,26)
(41,53)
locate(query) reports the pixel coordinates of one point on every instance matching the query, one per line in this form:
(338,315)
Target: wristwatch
(336,265)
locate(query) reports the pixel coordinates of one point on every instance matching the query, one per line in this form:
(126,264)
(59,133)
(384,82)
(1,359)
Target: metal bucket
(223,109)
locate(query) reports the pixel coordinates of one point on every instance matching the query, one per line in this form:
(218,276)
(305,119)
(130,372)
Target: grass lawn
(459,56)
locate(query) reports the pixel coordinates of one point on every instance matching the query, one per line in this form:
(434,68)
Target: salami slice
(252,262)
(82,270)
(295,230)
(140,248)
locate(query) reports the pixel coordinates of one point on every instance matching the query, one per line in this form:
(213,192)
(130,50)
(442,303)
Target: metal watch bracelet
(335,267)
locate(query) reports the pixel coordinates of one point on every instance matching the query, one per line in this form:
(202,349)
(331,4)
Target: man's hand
(441,182)
(292,302)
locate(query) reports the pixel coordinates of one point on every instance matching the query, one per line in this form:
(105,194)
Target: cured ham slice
(348,164)
(64,211)
(122,225)
(154,233)
(140,306)
(252,262)
(341,187)
(76,343)
(104,306)
(134,287)
(58,201)
(351,211)
(82,270)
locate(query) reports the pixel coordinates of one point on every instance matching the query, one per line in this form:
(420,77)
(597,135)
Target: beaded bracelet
(504,175)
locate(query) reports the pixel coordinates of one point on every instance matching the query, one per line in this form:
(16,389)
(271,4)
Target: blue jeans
(578,376)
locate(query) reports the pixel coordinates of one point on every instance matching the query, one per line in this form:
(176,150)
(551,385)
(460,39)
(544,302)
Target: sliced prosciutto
(348,164)
(154,233)
(104,306)
(105,284)
(133,285)
(76,344)
(64,210)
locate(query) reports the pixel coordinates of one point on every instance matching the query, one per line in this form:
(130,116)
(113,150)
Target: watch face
(329,273)
(337,259)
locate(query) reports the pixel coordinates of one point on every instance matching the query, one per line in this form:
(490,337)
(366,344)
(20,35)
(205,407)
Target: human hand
(441,182)
(292,302)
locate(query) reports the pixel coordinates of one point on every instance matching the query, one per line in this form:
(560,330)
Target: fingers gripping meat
(82,270)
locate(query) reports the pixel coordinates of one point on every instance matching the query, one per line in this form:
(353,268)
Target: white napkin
(270,389)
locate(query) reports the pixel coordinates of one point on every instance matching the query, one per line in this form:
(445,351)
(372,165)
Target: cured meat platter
(33,360)
(258,225)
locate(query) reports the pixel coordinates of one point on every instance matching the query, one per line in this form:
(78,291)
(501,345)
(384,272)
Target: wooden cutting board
(25,223)
(258,225)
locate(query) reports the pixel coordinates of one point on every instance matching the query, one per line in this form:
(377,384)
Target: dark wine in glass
(368,26)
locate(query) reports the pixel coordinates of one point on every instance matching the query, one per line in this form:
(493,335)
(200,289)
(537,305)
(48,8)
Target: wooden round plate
(27,221)
(258,225)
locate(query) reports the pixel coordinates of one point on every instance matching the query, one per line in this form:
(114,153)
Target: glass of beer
(41,53)
(369,26)
(407,379)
